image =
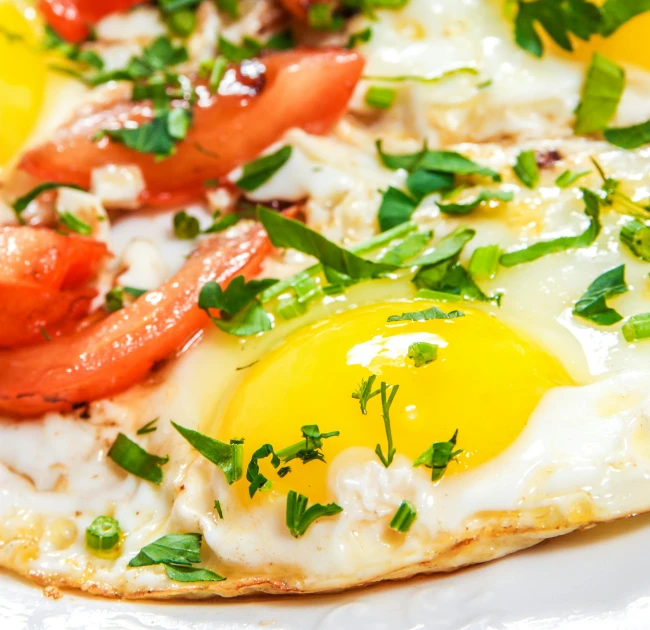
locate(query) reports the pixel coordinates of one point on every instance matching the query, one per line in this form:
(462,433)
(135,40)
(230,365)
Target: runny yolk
(22,80)
(485,382)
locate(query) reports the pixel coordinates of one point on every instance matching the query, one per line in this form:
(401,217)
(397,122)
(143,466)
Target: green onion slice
(103,534)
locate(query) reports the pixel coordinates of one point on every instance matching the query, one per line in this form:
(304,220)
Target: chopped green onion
(636,236)
(217,506)
(404,517)
(103,534)
(569,177)
(182,22)
(290,308)
(380,97)
(484,263)
(219,68)
(637,327)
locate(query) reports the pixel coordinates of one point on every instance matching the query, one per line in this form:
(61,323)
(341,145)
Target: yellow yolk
(485,382)
(22,80)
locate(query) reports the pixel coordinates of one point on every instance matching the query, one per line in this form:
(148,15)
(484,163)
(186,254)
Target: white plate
(594,580)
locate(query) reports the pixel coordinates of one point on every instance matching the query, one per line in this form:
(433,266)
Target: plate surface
(593,580)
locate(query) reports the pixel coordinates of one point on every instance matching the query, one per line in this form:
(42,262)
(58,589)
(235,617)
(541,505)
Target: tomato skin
(309,89)
(117,352)
(42,278)
(73,19)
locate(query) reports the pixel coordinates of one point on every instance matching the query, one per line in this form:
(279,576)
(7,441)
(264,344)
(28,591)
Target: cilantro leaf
(228,457)
(592,305)
(542,248)
(601,94)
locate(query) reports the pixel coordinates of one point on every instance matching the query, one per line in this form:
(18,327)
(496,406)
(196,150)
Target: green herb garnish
(421,316)
(637,327)
(438,456)
(150,427)
(386,402)
(635,235)
(134,459)
(422,353)
(567,178)
(403,518)
(364,393)
(380,97)
(526,169)
(259,171)
(299,517)
(103,534)
(592,305)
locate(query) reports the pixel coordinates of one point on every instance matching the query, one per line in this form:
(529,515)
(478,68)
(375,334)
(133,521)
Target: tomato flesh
(42,278)
(117,352)
(309,89)
(73,19)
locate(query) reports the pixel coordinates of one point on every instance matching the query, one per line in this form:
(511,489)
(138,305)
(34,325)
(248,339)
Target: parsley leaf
(542,248)
(191,574)
(592,305)
(484,195)
(617,12)
(150,137)
(526,169)
(386,402)
(228,457)
(438,456)
(183,549)
(601,94)
(299,518)
(20,205)
(631,137)
(285,232)
(364,393)
(255,478)
(396,208)
(259,171)
(559,18)
(421,316)
(134,459)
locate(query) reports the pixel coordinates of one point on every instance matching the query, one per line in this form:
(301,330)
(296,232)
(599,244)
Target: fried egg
(550,412)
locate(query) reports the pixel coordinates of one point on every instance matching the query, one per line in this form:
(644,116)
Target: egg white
(583,458)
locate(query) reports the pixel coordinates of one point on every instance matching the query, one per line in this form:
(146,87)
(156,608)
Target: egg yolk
(485,382)
(22,79)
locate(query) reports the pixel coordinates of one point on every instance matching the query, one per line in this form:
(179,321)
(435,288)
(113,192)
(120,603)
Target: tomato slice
(73,19)
(109,356)
(42,278)
(309,89)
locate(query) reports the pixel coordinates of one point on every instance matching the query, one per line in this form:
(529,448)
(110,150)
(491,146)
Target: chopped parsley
(422,316)
(235,53)
(114,299)
(438,456)
(404,517)
(150,427)
(257,481)
(386,402)
(526,169)
(542,248)
(592,305)
(299,517)
(364,393)
(422,353)
(177,553)
(228,457)
(380,97)
(360,37)
(631,137)
(259,171)
(601,94)
(134,459)
(308,449)
(285,232)
(20,205)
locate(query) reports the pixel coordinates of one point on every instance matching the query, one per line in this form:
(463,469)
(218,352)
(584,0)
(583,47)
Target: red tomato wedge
(309,89)
(42,278)
(73,19)
(111,355)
